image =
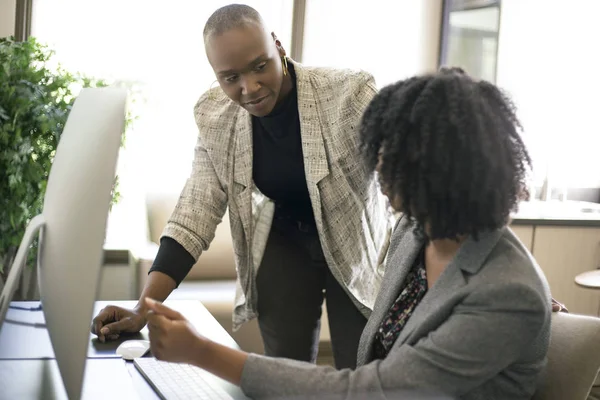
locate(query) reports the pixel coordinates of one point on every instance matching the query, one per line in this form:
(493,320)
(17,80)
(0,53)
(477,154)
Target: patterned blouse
(402,309)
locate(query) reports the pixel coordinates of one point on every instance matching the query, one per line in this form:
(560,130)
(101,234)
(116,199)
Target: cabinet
(525,234)
(564,252)
(117,276)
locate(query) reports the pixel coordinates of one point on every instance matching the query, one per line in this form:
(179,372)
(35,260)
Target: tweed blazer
(352,217)
(481,332)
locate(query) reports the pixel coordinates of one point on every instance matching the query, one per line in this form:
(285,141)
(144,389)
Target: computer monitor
(72,228)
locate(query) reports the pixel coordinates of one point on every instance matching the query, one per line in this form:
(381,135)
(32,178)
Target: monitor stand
(12,282)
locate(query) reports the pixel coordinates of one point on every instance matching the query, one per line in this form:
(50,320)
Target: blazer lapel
(242,171)
(242,166)
(316,166)
(448,283)
(468,260)
(397,267)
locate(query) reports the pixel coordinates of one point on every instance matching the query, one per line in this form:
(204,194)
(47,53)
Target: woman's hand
(172,337)
(558,307)
(113,321)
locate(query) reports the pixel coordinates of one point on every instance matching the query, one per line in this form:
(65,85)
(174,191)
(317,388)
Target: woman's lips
(257,101)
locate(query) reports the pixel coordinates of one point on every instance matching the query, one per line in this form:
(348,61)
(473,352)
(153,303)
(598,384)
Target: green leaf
(35,100)
(3,115)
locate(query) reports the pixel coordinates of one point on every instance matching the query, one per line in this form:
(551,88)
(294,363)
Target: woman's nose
(250,86)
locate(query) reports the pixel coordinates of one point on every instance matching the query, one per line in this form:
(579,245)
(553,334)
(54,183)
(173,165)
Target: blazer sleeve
(201,205)
(485,333)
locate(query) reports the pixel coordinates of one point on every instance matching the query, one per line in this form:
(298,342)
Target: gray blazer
(481,332)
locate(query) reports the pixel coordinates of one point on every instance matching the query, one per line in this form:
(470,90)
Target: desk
(28,369)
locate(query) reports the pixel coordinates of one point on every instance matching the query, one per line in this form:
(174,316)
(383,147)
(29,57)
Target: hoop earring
(284,65)
(210,94)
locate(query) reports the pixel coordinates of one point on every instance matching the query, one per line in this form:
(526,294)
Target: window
(390,39)
(158,45)
(550,69)
(470,38)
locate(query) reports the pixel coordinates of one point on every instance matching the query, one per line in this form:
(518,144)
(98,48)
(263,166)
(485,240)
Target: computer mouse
(131,349)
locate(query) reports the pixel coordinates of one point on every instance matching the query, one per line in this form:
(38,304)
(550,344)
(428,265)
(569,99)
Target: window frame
(465,5)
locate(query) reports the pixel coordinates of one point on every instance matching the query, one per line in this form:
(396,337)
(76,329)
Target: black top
(278,162)
(277,171)
(172,259)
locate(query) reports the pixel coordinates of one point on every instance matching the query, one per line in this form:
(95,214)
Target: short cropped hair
(230,17)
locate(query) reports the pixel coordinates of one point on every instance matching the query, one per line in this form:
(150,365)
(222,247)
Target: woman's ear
(278,45)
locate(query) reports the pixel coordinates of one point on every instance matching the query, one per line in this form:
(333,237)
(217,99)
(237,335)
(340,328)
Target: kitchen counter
(558,213)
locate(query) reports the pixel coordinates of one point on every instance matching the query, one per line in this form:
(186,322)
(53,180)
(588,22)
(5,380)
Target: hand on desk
(112,321)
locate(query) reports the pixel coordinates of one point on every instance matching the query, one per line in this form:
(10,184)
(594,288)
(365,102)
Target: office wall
(7,17)
(548,61)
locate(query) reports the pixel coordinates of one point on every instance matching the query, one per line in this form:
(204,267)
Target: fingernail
(104,331)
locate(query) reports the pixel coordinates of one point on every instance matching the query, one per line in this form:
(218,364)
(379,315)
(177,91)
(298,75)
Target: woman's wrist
(219,360)
(199,350)
(140,308)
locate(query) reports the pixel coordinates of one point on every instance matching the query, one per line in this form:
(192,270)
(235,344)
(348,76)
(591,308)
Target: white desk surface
(28,369)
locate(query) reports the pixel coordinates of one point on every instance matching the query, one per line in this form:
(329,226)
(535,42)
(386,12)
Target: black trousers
(292,281)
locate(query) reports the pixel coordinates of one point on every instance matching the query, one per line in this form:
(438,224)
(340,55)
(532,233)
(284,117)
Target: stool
(589,280)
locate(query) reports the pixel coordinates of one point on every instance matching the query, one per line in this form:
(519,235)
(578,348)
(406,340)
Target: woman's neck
(438,254)
(447,248)
(286,88)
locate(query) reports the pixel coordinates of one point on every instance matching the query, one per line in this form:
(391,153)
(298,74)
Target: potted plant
(35,100)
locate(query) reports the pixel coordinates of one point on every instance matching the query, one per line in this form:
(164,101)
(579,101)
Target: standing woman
(278,146)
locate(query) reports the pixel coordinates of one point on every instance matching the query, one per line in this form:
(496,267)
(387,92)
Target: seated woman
(464,310)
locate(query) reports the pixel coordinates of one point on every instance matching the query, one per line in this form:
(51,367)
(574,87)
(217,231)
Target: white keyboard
(178,381)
